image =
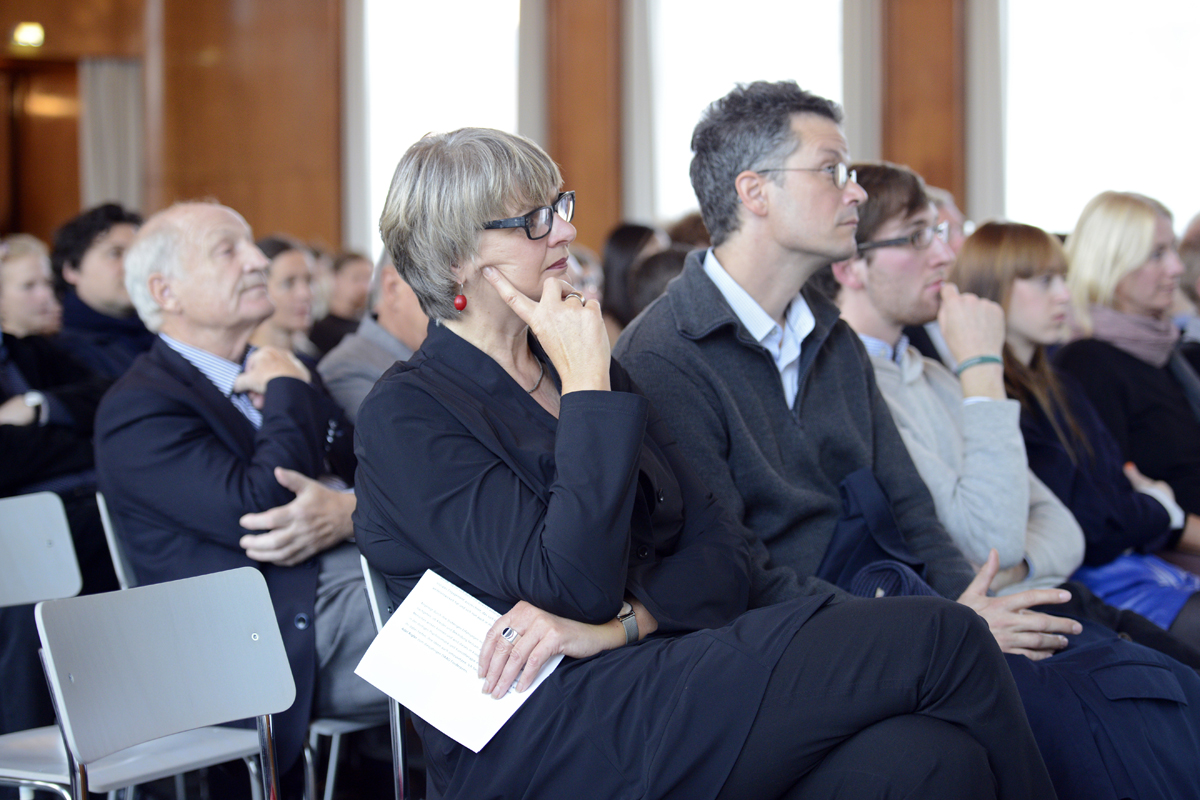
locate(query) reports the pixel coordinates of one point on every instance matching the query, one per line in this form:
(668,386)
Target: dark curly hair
(72,240)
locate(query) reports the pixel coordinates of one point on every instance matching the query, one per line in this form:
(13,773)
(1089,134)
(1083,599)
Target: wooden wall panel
(44,176)
(583,107)
(78,28)
(8,154)
(243,105)
(924,100)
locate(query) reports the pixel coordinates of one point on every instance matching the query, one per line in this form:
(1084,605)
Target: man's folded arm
(174,470)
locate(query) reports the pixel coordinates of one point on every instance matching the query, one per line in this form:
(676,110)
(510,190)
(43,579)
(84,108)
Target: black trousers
(891,698)
(1130,624)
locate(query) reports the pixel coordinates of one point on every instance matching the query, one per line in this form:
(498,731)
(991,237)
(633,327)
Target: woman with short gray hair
(512,457)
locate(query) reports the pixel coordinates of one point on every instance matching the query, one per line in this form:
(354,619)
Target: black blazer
(179,465)
(34,453)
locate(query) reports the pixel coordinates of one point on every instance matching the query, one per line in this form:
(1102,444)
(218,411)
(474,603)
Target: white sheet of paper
(426,657)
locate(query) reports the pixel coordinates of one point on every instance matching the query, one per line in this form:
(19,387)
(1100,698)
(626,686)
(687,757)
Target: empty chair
(37,562)
(37,557)
(332,727)
(137,674)
(381,612)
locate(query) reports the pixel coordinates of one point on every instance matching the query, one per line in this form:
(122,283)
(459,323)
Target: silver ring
(578,296)
(509,635)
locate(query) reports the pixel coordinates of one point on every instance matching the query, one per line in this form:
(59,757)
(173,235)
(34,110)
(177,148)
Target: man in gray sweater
(772,397)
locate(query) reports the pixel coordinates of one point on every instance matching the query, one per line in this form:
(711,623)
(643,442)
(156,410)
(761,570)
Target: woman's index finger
(522,305)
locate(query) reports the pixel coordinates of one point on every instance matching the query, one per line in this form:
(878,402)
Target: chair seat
(333,726)
(39,755)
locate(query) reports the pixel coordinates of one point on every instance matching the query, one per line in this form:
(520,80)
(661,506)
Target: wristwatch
(37,401)
(629,621)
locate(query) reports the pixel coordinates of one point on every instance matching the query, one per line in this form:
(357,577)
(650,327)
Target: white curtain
(112,120)
(862,77)
(986,75)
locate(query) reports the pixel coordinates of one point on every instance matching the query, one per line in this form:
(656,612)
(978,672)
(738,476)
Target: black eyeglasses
(840,172)
(920,240)
(537,223)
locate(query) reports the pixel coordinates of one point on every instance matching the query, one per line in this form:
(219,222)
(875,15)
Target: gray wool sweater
(777,469)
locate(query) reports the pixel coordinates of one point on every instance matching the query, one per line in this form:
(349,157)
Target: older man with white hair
(203,440)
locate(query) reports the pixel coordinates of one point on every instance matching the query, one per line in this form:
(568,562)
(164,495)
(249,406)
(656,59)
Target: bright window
(1098,98)
(434,67)
(700,48)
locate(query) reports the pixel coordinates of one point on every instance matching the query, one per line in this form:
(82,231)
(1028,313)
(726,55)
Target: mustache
(253,281)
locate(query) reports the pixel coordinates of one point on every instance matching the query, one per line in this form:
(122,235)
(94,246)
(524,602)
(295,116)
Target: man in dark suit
(196,438)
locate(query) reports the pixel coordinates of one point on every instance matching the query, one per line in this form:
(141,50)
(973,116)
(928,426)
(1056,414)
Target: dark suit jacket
(179,465)
(34,453)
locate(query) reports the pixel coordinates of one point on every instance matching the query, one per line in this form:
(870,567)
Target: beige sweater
(972,458)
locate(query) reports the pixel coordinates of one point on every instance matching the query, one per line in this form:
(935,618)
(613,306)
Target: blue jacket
(106,345)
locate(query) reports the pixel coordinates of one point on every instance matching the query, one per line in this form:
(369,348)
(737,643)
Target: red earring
(460,299)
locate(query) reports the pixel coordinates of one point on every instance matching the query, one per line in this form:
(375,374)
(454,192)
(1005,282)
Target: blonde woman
(1124,269)
(27,302)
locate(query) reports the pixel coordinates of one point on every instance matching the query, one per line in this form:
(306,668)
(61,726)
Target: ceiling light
(28,34)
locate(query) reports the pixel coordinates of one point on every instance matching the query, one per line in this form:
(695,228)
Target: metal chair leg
(270,766)
(310,767)
(256,780)
(79,790)
(180,788)
(335,748)
(26,789)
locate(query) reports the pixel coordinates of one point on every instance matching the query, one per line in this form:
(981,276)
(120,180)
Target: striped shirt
(878,348)
(222,372)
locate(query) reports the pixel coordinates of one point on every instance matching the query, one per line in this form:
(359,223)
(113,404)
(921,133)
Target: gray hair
(158,249)
(444,189)
(383,262)
(748,129)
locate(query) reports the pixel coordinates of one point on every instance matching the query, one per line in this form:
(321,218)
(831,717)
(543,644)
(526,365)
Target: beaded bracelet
(976,361)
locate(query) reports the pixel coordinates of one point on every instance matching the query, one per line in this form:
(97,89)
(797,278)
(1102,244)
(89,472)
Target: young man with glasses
(964,438)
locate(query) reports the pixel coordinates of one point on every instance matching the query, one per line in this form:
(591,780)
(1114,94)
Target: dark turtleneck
(107,345)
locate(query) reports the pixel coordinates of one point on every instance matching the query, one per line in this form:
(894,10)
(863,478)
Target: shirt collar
(221,371)
(878,348)
(758,322)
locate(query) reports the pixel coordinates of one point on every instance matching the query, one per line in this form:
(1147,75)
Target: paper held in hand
(427,657)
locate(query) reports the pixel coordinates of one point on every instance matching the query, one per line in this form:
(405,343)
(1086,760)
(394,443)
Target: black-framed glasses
(920,239)
(840,173)
(537,223)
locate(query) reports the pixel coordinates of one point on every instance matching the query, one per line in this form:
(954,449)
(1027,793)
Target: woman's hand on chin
(539,636)
(570,330)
